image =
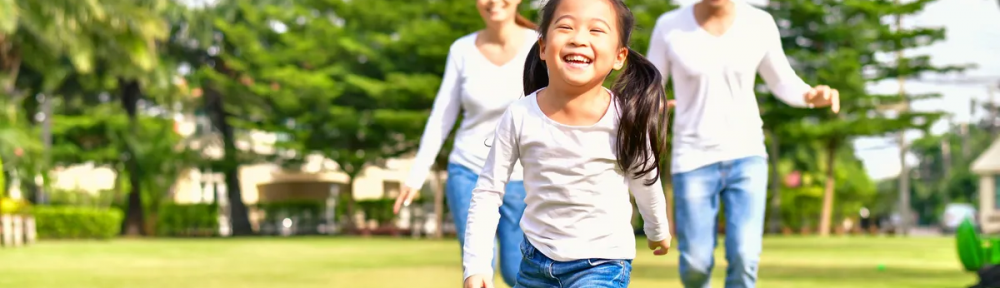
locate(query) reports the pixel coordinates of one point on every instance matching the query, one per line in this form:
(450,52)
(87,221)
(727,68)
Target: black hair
(638,93)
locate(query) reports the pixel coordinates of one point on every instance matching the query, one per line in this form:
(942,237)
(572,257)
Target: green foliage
(85,31)
(379,210)
(64,222)
(187,220)
(943,175)
(79,198)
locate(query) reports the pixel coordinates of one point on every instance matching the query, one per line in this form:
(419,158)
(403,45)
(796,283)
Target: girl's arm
(447,104)
(652,206)
(777,72)
(484,211)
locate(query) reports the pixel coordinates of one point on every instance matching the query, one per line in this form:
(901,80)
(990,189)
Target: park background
(144,141)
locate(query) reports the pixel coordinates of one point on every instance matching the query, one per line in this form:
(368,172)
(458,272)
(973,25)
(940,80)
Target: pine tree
(836,42)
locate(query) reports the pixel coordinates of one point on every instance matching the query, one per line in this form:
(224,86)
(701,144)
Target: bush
(379,210)
(11,206)
(187,220)
(77,222)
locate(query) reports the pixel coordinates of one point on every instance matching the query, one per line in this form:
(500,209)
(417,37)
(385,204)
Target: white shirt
(577,198)
(479,89)
(716,115)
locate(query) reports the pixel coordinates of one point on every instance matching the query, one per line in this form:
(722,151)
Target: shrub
(187,220)
(63,222)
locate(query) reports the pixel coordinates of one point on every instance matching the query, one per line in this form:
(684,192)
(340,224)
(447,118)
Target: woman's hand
(406,195)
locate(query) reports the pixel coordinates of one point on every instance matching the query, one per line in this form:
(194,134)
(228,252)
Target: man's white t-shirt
(716,117)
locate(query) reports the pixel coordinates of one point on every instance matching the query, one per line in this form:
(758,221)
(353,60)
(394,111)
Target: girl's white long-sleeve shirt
(481,91)
(577,198)
(716,117)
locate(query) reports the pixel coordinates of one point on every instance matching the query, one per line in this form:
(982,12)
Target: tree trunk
(438,203)
(349,205)
(10,65)
(237,209)
(134,223)
(825,218)
(773,155)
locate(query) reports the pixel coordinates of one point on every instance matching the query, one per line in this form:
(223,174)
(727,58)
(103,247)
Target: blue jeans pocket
(594,262)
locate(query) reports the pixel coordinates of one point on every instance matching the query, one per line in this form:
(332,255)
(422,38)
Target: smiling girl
(583,147)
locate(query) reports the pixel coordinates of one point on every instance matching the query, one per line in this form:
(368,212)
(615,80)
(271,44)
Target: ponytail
(524,22)
(639,94)
(536,75)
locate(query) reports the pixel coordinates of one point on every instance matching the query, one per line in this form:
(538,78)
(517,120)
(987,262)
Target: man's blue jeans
(461,181)
(742,186)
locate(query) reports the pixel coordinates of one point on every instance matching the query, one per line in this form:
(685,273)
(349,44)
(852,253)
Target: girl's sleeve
(652,206)
(484,211)
(447,104)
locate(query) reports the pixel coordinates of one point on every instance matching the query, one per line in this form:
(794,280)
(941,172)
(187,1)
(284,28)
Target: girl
(482,77)
(583,148)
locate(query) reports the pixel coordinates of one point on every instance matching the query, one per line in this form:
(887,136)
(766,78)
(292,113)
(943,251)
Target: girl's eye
(563,27)
(596,31)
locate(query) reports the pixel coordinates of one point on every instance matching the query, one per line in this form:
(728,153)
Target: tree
(835,43)
(115,37)
(195,41)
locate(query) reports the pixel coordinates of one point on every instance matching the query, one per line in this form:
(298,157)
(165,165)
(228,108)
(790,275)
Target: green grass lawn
(382,262)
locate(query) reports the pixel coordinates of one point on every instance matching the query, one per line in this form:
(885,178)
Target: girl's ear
(541,49)
(620,58)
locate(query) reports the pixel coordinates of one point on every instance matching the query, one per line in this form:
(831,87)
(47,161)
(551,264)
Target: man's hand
(477,281)
(406,195)
(659,248)
(822,96)
(670,105)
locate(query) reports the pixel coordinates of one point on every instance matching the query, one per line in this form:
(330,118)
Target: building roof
(989,161)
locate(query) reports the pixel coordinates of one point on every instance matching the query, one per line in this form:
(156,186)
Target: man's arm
(777,72)
(657,53)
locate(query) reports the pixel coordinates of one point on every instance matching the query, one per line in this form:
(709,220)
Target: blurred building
(258,181)
(987,166)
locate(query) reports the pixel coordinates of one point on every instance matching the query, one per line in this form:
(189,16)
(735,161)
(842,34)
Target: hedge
(66,222)
(187,220)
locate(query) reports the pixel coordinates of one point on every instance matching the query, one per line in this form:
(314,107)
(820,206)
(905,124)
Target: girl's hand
(406,195)
(659,248)
(477,281)
(822,96)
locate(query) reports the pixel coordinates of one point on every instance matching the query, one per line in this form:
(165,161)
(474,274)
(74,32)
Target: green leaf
(8,16)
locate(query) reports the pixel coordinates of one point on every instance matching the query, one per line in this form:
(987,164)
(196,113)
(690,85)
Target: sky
(973,37)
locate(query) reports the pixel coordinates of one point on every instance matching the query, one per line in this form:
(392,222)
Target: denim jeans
(742,186)
(539,271)
(461,182)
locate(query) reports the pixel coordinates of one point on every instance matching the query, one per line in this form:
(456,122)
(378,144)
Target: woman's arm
(447,104)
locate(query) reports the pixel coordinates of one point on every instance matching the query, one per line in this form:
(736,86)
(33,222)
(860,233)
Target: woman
(482,77)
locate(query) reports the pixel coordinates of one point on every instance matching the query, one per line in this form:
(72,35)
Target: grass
(381,262)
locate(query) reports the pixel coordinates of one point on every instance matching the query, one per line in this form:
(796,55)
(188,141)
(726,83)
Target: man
(713,50)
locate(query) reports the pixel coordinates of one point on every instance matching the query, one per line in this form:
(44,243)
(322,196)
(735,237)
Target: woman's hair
(524,22)
(638,92)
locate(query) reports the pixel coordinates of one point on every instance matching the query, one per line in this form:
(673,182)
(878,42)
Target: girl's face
(582,43)
(497,10)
